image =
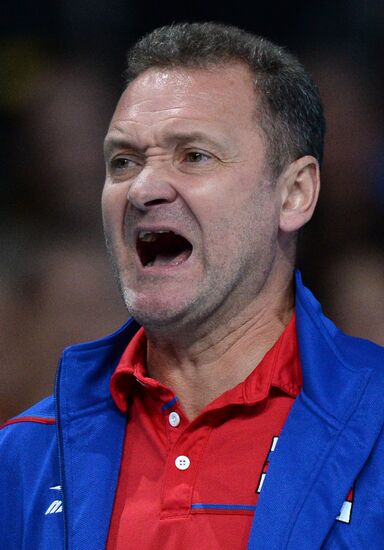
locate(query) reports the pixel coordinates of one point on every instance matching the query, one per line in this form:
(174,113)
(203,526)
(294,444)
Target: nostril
(155,201)
(148,191)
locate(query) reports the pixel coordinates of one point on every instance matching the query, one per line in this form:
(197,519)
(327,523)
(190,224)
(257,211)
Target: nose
(151,187)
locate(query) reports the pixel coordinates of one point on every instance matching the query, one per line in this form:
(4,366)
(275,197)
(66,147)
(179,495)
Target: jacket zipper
(60,453)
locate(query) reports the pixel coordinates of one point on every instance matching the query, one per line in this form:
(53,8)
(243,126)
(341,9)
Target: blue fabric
(170,404)
(331,441)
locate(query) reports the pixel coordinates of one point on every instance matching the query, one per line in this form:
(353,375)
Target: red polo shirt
(196,484)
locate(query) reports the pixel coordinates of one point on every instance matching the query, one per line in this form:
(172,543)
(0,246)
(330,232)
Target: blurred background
(61,63)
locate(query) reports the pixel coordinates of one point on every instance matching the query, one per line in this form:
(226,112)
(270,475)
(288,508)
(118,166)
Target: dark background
(61,63)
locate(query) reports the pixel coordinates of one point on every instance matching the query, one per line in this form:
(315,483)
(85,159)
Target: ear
(299,187)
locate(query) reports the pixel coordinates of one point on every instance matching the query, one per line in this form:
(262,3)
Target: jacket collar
(327,438)
(91,435)
(340,410)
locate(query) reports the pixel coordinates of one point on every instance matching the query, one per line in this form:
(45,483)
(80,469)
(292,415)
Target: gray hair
(288,103)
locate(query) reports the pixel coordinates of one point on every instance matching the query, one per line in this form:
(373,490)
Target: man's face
(190,216)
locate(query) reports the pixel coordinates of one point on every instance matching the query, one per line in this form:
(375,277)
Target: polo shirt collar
(279,368)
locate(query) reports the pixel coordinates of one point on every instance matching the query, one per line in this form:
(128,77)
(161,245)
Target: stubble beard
(216,299)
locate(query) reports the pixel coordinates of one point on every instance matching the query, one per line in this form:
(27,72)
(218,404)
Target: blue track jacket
(59,461)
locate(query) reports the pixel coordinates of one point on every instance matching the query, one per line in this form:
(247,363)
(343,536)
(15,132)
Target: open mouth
(162,248)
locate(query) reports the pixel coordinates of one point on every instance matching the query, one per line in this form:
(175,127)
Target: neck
(199,370)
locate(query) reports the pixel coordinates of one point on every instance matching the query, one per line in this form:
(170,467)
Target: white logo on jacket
(346,509)
(57,505)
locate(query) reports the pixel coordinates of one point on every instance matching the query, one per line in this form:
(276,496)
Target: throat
(200,372)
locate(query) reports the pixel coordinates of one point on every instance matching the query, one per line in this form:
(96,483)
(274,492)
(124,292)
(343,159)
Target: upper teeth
(151,236)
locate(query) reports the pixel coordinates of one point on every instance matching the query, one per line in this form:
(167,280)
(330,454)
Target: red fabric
(210,504)
(36,419)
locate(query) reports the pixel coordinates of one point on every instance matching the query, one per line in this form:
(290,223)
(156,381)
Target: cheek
(113,204)
(246,226)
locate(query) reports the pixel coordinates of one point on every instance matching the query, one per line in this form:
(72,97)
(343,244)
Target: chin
(156,312)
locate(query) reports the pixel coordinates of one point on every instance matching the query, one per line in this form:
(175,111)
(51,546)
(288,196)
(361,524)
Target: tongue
(170,259)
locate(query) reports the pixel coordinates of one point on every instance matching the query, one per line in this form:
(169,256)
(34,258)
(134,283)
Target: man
(212,425)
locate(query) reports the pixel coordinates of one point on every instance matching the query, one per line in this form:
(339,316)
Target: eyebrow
(112,143)
(186,137)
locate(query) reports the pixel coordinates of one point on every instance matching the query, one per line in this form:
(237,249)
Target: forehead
(222,94)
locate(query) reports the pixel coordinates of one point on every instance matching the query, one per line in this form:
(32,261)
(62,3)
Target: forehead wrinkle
(137,110)
(168,134)
(171,100)
(180,137)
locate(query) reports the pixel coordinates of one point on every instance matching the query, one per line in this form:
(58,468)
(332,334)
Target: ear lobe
(300,185)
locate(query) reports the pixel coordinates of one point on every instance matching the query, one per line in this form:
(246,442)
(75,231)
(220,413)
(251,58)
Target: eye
(197,157)
(123,166)
(122,163)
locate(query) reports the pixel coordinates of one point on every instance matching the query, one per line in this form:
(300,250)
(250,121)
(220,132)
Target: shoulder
(360,350)
(41,412)
(321,335)
(28,444)
(29,477)
(26,432)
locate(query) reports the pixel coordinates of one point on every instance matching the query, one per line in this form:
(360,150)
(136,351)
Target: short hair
(288,103)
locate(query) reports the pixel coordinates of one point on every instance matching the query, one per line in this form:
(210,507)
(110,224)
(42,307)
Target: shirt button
(182,462)
(174,419)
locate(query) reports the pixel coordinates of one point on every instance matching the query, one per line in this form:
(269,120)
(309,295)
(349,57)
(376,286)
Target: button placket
(182,468)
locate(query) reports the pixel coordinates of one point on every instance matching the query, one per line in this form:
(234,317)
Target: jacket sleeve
(29,482)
